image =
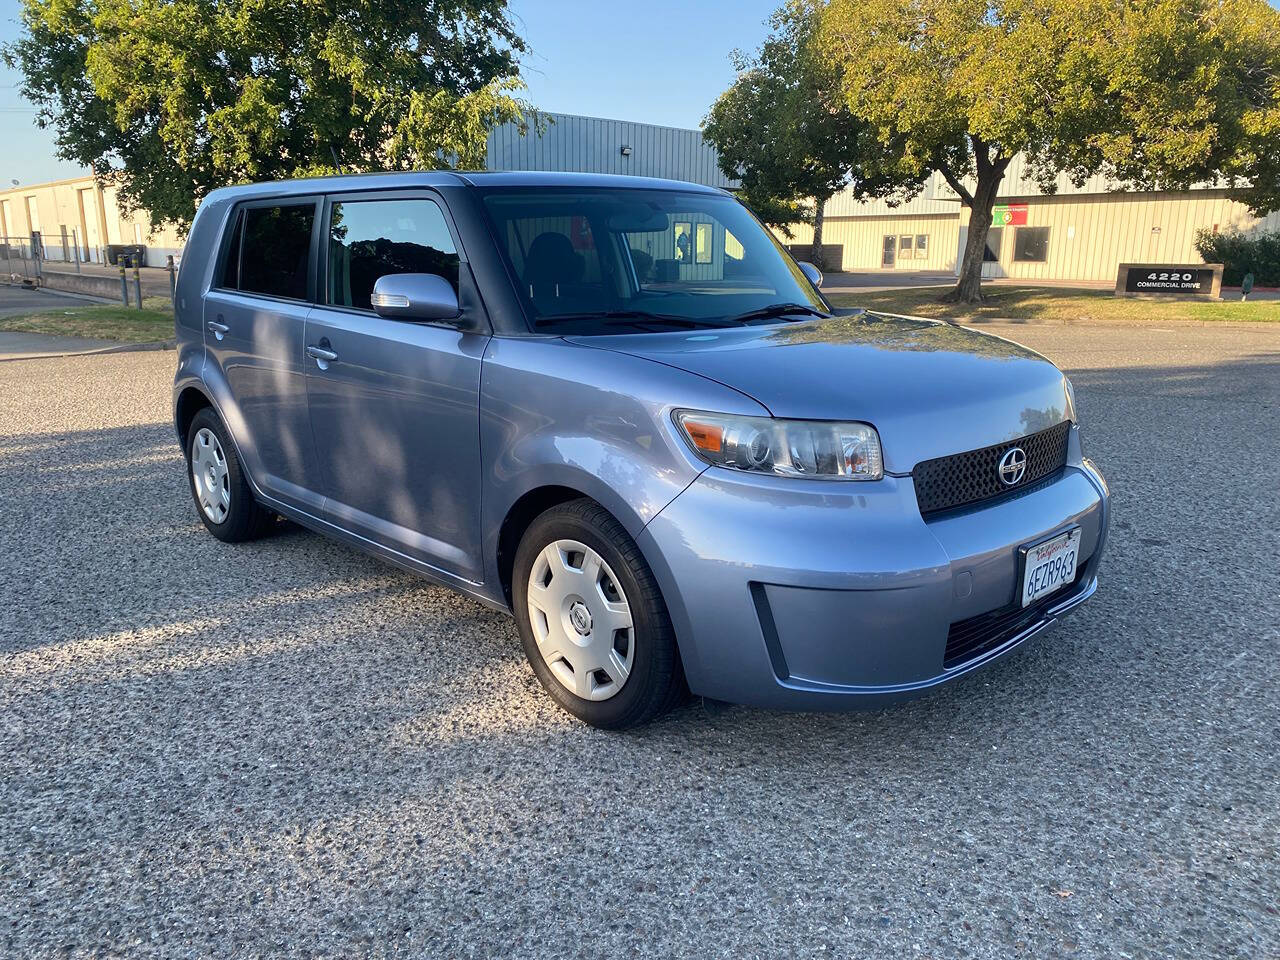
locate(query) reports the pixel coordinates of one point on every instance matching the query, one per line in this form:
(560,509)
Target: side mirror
(812,272)
(414,296)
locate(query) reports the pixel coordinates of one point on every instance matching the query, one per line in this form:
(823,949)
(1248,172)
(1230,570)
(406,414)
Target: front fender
(560,414)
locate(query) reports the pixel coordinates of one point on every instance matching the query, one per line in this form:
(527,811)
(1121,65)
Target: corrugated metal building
(595,145)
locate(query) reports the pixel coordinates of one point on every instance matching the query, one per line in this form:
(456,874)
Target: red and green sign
(1009,215)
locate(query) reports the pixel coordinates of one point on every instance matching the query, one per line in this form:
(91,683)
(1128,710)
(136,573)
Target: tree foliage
(172,98)
(1153,94)
(1242,253)
(784,131)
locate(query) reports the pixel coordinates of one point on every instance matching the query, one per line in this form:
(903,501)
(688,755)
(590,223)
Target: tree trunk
(815,251)
(968,288)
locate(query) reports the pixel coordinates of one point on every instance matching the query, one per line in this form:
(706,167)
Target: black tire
(656,682)
(245,518)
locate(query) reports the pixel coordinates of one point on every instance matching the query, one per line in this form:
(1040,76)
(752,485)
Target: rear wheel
(592,619)
(219,487)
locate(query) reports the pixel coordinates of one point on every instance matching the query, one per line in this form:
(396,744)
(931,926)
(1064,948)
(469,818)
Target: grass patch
(1068,306)
(106,322)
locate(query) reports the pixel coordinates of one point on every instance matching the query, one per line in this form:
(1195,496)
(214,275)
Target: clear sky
(653,61)
(657,61)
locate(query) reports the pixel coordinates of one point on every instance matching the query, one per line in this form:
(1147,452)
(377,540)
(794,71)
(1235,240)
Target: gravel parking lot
(288,747)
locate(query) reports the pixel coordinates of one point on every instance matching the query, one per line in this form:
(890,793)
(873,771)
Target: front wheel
(592,619)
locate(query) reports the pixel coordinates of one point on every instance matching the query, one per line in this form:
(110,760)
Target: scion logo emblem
(580,617)
(1013,466)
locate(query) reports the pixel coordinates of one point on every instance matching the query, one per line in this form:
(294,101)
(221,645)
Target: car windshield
(592,261)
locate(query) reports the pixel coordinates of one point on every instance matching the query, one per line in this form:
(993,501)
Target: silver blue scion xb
(617,408)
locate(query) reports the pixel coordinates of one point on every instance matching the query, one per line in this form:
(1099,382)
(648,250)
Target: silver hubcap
(209,471)
(581,620)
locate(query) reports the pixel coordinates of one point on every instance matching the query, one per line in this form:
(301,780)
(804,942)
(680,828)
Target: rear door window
(230,277)
(276,250)
(369,239)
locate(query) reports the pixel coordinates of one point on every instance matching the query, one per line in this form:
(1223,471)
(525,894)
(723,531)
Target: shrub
(1242,253)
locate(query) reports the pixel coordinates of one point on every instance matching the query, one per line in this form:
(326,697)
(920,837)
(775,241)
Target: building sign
(1165,279)
(1169,280)
(1009,215)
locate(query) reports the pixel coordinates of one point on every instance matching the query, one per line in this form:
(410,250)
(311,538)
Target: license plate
(1049,565)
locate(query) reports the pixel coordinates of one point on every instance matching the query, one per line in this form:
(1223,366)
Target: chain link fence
(21,259)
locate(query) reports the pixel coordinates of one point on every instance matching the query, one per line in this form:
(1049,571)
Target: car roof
(440,178)
(549,178)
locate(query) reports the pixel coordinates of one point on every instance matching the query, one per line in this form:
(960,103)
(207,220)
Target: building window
(684,241)
(922,246)
(992,253)
(702,253)
(1031,244)
(906,243)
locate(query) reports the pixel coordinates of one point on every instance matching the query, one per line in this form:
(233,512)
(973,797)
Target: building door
(90,237)
(991,256)
(890,251)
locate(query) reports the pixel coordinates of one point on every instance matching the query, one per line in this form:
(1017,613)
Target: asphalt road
(15,300)
(288,747)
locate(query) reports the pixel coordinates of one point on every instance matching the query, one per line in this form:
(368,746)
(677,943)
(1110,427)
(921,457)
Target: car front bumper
(800,594)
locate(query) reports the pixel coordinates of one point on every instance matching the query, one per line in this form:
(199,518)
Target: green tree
(1152,94)
(784,132)
(172,98)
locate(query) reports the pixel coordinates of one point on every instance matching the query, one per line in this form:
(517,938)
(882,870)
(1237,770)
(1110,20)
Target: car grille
(964,478)
(971,638)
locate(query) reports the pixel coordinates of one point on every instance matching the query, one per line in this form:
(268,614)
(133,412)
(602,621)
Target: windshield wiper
(631,317)
(778,310)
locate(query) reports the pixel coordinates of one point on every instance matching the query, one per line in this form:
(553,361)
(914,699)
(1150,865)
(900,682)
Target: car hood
(930,388)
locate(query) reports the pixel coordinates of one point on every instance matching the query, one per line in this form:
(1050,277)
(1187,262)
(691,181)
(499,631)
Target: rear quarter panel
(193,279)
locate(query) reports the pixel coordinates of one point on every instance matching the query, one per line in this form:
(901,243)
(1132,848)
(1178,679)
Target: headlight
(819,449)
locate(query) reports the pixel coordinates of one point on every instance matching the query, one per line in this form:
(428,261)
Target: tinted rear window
(277,245)
(231,265)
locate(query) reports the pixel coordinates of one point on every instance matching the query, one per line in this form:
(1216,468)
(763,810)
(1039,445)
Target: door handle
(217,328)
(320,353)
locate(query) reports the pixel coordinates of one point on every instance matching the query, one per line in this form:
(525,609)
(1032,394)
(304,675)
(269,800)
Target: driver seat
(551,266)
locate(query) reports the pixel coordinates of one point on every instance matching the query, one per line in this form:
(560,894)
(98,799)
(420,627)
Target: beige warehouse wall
(863,240)
(89,209)
(1090,236)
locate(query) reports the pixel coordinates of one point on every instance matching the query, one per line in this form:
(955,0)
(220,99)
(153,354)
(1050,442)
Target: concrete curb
(118,348)
(87,298)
